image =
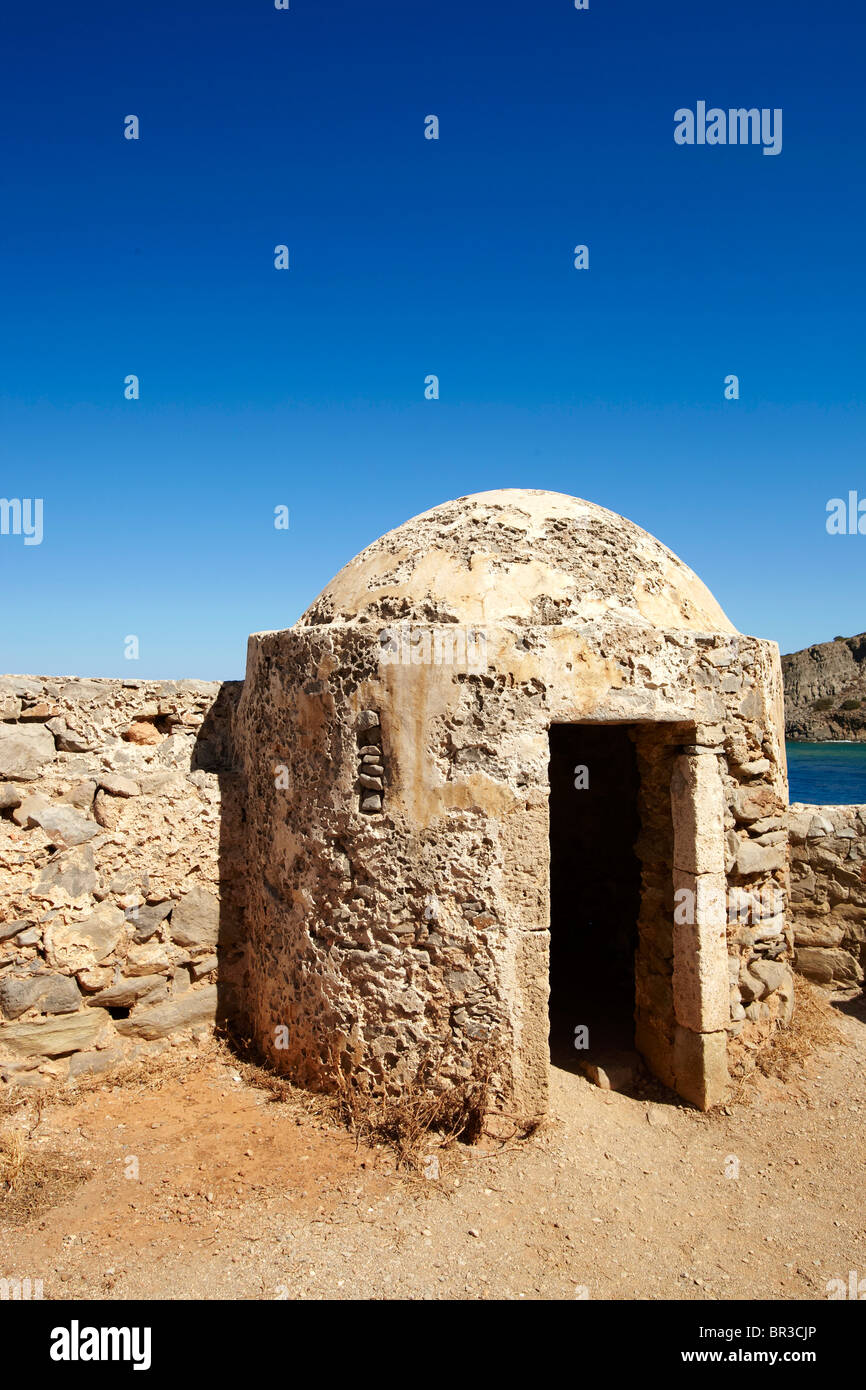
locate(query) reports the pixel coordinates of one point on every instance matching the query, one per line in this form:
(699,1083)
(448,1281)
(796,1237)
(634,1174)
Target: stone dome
(518,556)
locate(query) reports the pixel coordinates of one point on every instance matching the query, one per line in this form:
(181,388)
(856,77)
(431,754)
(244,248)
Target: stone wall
(828,892)
(417,926)
(120,890)
(123,873)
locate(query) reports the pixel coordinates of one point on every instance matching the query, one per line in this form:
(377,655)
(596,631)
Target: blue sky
(408,257)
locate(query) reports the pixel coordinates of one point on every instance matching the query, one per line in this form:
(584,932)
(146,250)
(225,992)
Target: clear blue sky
(408,257)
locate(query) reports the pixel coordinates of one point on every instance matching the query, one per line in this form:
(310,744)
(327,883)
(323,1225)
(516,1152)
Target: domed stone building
(515,788)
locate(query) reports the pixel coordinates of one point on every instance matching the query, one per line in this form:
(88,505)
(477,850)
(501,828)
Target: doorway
(595,889)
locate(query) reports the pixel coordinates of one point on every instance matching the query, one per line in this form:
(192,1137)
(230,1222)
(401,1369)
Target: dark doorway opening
(595,885)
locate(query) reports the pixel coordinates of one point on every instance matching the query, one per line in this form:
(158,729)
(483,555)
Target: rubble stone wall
(120,869)
(828,892)
(417,925)
(124,871)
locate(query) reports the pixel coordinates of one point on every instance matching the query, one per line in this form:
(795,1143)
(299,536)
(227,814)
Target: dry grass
(813,1025)
(421,1114)
(427,1113)
(12,1150)
(32,1180)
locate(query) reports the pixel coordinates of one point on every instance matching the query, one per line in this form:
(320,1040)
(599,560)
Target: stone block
(81,945)
(701,1067)
(49,993)
(195,919)
(700,969)
(697,805)
(197,1006)
(127,992)
(828,966)
(53,1038)
(73,872)
(752,858)
(25,749)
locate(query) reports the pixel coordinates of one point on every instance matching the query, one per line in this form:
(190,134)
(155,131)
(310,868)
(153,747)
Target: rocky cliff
(825,691)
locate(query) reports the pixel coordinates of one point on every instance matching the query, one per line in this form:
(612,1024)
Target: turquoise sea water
(827,774)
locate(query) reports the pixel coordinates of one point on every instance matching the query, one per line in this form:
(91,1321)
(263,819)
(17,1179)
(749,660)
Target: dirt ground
(193,1182)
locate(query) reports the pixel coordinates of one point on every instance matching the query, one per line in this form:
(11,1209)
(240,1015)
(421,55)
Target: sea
(827,774)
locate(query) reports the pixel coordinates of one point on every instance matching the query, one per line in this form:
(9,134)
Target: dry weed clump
(12,1150)
(32,1180)
(426,1109)
(417,1115)
(813,1025)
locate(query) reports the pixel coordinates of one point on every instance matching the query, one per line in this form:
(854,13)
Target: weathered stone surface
(128,992)
(38,712)
(10,929)
(65,826)
(107,810)
(73,872)
(10,795)
(697,803)
(701,1067)
(24,687)
(31,936)
(753,858)
(10,705)
(70,739)
(25,812)
(772,974)
(116,785)
(751,803)
(151,958)
(96,977)
(143,732)
(759,767)
(81,795)
(148,919)
(51,994)
(84,692)
(54,1037)
(700,971)
(80,945)
(615,1071)
(24,751)
(206,966)
(751,988)
(160,1020)
(828,910)
(826,966)
(195,919)
(97,1063)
